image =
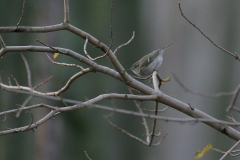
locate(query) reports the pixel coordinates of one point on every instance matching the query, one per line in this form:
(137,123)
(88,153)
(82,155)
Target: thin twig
(134,89)
(217,150)
(31,122)
(199,93)
(160,110)
(224,50)
(64,64)
(91,103)
(87,155)
(234,98)
(225,155)
(111,31)
(123,45)
(231,119)
(40,84)
(85,51)
(125,132)
(23,105)
(236,109)
(5,117)
(28,71)
(154,125)
(233,93)
(33,126)
(234,155)
(143,118)
(2,42)
(192,108)
(1,82)
(15,80)
(62,100)
(22,14)
(111,42)
(9,81)
(157,144)
(29,84)
(66,11)
(56,50)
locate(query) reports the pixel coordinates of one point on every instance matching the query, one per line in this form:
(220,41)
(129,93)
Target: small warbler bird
(149,63)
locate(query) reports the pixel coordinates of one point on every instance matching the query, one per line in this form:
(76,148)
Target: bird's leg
(162,81)
(165,80)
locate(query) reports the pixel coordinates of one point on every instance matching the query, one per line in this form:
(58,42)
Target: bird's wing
(153,55)
(150,58)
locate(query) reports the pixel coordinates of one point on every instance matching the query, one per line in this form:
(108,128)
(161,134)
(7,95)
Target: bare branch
(43,29)
(231,119)
(90,103)
(23,105)
(127,133)
(228,152)
(42,83)
(120,75)
(29,84)
(111,36)
(34,125)
(2,42)
(236,154)
(111,31)
(211,121)
(143,118)
(154,125)
(87,155)
(66,11)
(15,80)
(236,56)
(28,108)
(1,81)
(154,145)
(9,81)
(123,45)
(157,81)
(5,117)
(233,93)
(28,71)
(85,51)
(64,64)
(165,99)
(22,14)
(199,93)
(30,122)
(56,50)
(234,98)
(160,110)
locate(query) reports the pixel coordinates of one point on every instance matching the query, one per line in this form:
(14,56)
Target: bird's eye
(136,65)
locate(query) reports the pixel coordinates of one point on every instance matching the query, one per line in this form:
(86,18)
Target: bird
(149,63)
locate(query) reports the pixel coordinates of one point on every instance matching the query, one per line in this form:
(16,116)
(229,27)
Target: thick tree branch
(119,74)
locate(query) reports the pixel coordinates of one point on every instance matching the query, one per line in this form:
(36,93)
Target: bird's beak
(168,45)
(130,69)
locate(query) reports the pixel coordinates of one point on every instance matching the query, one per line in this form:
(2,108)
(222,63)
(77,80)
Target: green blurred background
(200,65)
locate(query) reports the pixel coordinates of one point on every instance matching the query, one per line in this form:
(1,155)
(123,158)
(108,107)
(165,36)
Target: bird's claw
(165,80)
